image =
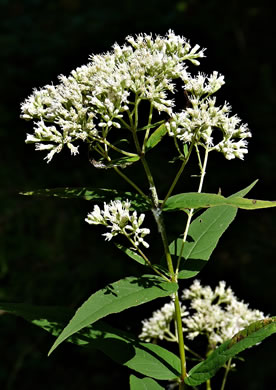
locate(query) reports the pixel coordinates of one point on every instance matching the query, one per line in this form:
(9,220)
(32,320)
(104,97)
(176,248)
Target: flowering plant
(96,104)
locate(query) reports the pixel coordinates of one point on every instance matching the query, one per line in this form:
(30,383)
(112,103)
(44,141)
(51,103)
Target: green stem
(151,182)
(126,178)
(101,151)
(208,384)
(146,259)
(177,147)
(141,154)
(227,370)
(178,175)
(127,126)
(203,170)
(148,130)
(181,344)
(105,142)
(200,358)
(191,212)
(157,212)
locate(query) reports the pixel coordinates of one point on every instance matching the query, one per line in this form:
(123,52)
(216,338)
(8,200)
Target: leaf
(114,298)
(204,234)
(150,126)
(42,316)
(195,200)
(145,358)
(143,384)
(121,162)
(156,137)
(94,194)
(133,255)
(251,335)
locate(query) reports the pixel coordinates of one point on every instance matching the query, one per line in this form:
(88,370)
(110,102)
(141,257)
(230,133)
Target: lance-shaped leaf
(114,298)
(204,234)
(93,194)
(150,126)
(145,358)
(246,338)
(195,200)
(50,318)
(156,137)
(143,384)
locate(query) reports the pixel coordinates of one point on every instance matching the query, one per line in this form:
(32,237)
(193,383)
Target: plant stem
(191,212)
(208,385)
(103,153)
(126,178)
(203,170)
(157,212)
(181,345)
(148,130)
(105,142)
(227,369)
(178,175)
(194,353)
(146,259)
(142,156)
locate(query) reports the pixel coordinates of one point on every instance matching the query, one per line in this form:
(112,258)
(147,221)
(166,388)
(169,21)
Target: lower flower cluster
(216,314)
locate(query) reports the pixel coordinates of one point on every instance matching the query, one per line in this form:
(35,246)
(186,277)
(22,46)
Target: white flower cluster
(217,314)
(197,122)
(158,326)
(116,216)
(93,99)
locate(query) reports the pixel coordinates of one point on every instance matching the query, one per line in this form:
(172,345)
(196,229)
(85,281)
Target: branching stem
(186,159)
(191,212)
(146,259)
(227,370)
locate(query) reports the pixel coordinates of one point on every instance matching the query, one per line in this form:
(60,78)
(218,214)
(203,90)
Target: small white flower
(158,326)
(198,122)
(116,216)
(93,99)
(217,314)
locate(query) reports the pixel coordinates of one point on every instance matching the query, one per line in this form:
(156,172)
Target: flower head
(217,314)
(198,122)
(158,326)
(116,216)
(93,99)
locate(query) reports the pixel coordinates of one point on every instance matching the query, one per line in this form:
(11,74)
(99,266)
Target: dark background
(48,255)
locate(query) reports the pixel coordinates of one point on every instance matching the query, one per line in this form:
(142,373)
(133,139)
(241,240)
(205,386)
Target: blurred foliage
(47,253)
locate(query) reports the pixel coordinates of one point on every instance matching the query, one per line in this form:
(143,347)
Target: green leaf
(145,358)
(114,298)
(94,194)
(143,384)
(133,255)
(150,126)
(195,200)
(204,234)
(121,162)
(156,137)
(248,337)
(46,317)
